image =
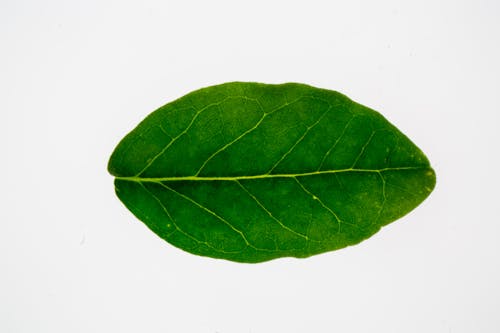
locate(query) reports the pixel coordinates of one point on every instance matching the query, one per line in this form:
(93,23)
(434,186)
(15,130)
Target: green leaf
(250,172)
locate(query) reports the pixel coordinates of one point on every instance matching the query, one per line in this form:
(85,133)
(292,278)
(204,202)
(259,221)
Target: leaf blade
(286,170)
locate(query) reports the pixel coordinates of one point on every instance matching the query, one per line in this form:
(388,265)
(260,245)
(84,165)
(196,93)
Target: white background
(76,76)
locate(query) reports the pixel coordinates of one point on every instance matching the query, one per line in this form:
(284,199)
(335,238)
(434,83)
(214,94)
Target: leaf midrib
(264,176)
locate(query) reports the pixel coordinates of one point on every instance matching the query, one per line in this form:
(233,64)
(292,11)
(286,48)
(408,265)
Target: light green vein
(335,143)
(402,189)
(269,213)
(315,197)
(164,149)
(210,212)
(242,135)
(308,129)
(363,149)
(264,176)
(164,131)
(384,199)
(230,143)
(180,229)
(146,130)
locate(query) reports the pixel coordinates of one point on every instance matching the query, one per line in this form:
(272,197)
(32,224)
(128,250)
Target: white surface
(76,76)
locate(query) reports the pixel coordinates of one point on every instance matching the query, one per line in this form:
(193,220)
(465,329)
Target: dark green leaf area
(251,172)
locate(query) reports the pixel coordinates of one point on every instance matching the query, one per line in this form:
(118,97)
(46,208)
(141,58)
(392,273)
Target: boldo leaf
(250,172)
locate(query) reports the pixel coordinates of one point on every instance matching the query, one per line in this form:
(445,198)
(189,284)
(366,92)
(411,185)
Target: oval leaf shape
(250,172)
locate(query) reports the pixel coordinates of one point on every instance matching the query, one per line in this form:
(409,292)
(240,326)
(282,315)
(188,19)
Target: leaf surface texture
(250,172)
